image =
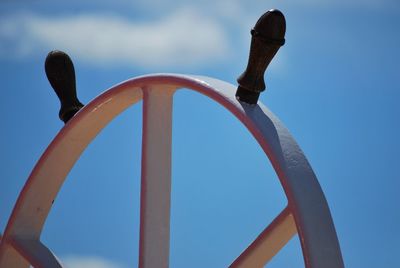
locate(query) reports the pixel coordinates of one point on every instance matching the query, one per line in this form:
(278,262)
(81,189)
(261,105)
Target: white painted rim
(307,211)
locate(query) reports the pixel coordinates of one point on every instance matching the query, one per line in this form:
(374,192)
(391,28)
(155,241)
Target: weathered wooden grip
(268,35)
(61,75)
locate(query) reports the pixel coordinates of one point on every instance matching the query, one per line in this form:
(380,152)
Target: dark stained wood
(268,35)
(61,75)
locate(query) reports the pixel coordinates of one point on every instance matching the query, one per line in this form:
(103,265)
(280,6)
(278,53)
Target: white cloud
(241,7)
(366,4)
(185,34)
(183,38)
(88,262)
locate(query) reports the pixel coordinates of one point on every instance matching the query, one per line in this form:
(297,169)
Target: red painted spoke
(269,242)
(156,178)
(37,254)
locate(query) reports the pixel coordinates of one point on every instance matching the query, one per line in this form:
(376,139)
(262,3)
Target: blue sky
(334,84)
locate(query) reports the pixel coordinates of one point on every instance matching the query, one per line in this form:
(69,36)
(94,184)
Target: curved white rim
(307,211)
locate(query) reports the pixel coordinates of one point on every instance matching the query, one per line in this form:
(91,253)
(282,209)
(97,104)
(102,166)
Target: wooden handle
(61,75)
(268,35)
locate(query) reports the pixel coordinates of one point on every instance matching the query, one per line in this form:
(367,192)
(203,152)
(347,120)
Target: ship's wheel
(307,212)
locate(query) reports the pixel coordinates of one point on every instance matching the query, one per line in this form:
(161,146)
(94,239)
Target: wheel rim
(307,212)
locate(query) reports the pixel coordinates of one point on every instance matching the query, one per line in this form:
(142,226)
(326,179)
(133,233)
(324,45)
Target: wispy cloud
(240,7)
(185,34)
(184,37)
(359,4)
(89,262)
